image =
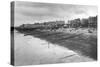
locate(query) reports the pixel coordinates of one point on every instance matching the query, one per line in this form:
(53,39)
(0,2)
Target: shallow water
(30,50)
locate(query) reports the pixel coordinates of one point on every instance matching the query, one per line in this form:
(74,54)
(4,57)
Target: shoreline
(80,43)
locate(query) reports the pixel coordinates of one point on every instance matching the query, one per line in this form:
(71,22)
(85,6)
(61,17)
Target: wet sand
(31,50)
(82,43)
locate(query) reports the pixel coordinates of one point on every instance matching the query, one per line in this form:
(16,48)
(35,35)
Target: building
(54,23)
(84,22)
(74,23)
(93,22)
(45,25)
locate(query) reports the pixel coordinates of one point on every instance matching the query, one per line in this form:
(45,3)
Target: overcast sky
(30,12)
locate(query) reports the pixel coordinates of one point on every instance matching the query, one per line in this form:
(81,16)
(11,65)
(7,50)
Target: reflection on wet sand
(32,50)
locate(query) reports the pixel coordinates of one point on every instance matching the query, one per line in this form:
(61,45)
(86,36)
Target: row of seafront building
(85,22)
(44,24)
(90,22)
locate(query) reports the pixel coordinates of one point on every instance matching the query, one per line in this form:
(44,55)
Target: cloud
(28,12)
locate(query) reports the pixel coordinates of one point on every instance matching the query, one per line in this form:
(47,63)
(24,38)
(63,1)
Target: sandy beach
(34,48)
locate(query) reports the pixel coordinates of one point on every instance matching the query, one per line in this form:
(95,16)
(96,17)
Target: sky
(32,12)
